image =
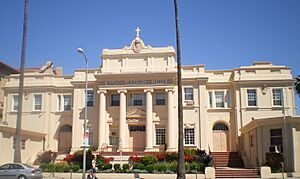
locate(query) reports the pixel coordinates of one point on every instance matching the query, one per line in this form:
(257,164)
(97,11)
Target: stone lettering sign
(137,82)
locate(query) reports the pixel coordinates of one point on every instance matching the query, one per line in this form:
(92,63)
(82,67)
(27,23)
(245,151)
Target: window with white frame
(58,102)
(37,102)
(67,102)
(252,98)
(189,137)
(277,96)
(160,99)
(113,139)
(136,99)
(210,99)
(160,136)
(115,100)
(90,98)
(15,102)
(189,94)
(219,95)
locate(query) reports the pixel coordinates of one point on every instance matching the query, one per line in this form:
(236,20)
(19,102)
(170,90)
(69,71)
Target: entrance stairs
(230,165)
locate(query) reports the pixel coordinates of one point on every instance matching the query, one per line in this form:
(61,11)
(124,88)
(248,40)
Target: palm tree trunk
(180,166)
(17,153)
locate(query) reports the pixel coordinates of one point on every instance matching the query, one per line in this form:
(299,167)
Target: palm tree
(17,153)
(297,85)
(180,166)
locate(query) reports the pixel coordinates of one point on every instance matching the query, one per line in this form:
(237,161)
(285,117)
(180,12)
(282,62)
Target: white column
(205,133)
(171,121)
(102,120)
(149,120)
(122,118)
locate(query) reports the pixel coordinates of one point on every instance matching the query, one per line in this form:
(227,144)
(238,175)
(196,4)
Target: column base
(150,149)
(171,149)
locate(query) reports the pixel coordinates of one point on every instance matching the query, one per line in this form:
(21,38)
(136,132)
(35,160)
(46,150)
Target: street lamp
(85,144)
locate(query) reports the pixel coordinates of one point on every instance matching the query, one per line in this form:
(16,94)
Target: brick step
(237,173)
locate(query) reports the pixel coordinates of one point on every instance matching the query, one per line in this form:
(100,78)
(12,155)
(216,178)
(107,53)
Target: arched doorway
(220,137)
(65,139)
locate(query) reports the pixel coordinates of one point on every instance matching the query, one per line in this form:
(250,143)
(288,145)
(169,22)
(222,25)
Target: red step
(227,159)
(236,173)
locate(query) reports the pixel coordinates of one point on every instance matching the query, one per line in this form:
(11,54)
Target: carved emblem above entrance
(137,44)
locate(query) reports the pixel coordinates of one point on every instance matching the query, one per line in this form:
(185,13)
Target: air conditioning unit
(275,149)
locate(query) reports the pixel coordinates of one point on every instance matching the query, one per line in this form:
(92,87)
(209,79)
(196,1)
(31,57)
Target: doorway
(137,139)
(65,139)
(220,137)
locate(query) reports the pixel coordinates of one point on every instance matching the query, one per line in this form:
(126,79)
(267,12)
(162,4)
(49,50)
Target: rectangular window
(276,138)
(160,136)
(37,102)
(210,99)
(91,137)
(160,99)
(219,99)
(58,102)
(277,97)
(67,102)
(137,99)
(251,93)
(113,140)
(189,94)
(15,102)
(189,137)
(90,97)
(115,100)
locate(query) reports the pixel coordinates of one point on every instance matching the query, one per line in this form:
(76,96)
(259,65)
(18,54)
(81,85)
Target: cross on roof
(137,31)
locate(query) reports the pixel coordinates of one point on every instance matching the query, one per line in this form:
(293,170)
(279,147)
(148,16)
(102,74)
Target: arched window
(66,128)
(220,127)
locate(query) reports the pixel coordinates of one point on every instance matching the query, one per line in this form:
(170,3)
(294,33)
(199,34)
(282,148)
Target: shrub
(148,159)
(43,166)
(150,168)
(189,157)
(125,166)
(117,167)
(62,167)
(75,167)
(46,157)
(173,166)
(162,167)
(78,158)
(160,156)
(273,160)
(107,166)
(69,158)
(139,166)
(51,167)
(107,160)
(187,167)
(134,158)
(170,157)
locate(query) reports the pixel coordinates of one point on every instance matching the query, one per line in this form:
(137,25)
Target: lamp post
(80,50)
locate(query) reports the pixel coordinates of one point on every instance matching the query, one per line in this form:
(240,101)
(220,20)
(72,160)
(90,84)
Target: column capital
(170,90)
(122,91)
(101,91)
(148,90)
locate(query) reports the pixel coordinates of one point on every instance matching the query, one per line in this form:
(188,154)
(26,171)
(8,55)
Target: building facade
(132,105)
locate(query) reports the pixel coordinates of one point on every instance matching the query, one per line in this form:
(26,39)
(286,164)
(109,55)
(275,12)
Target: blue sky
(220,34)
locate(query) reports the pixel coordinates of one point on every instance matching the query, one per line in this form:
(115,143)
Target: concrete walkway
(119,176)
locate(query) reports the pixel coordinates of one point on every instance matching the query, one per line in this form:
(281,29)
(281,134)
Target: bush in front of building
(171,156)
(117,167)
(150,168)
(125,167)
(58,167)
(45,157)
(107,166)
(62,167)
(162,167)
(148,159)
(78,159)
(138,165)
(274,160)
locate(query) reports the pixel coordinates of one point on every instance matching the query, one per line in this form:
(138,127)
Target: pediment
(136,113)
